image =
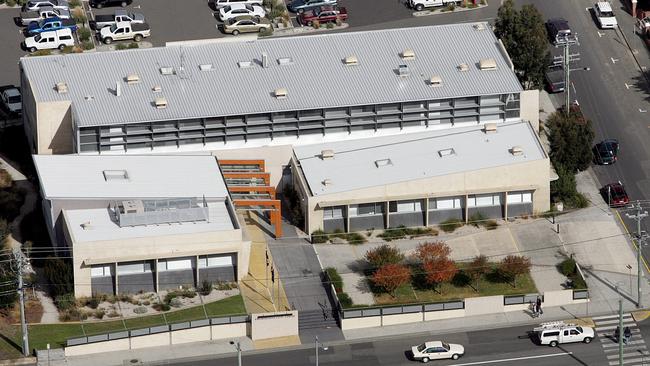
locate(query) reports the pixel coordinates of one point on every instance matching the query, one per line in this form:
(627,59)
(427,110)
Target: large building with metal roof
(490,172)
(141,223)
(279,91)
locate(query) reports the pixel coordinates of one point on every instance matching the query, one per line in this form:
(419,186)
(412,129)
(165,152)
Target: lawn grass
(57,334)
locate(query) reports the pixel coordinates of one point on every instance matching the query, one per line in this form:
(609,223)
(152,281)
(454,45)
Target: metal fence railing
(402,309)
(521,299)
(580,294)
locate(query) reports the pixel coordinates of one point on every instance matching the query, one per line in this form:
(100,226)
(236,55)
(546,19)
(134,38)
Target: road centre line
(514,359)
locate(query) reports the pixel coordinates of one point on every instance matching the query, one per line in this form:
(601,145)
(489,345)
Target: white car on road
(605,15)
(50,40)
(437,350)
(236,10)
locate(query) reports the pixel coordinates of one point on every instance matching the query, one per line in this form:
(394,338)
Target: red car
(615,194)
(323,14)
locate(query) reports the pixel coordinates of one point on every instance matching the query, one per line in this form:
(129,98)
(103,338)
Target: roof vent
(132,79)
(383,162)
(435,80)
(403,70)
(160,103)
(133,206)
(280,93)
(487,64)
(284,61)
(205,67)
(327,182)
(463,67)
(245,64)
(112,175)
(61,87)
(408,54)
(490,128)
(167,70)
(89,97)
(327,154)
(446,152)
(265,60)
(85,225)
(351,60)
(118,89)
(517,151)
(479,26)
(156,89)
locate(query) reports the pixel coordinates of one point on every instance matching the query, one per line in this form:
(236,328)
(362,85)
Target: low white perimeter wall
(272,325)
(198,334)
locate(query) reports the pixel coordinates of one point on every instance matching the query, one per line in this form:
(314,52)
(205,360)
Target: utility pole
(620,331)
(567,58)
(20,263)
(640,242)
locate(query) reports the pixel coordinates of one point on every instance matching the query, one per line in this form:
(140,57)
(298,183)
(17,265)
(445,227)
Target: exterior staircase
(314,319)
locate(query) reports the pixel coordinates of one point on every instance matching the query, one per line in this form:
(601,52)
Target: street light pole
(640,242)
(318,345)
(238,347)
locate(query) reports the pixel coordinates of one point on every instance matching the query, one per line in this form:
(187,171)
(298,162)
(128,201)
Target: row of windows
(441,203)
(172,264)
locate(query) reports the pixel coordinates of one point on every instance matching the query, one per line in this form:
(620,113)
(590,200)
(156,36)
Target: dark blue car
(51,24)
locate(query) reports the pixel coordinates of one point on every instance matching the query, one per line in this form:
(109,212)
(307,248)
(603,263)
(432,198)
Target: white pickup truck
(554,333)
(120,15)
(124,30)
(419,5)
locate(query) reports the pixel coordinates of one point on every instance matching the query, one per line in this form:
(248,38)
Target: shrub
(329,25)
(451,224)
(319,237)
(383,255)
(431,251)
(5,230)
(113,314)
(390,277)
(439,270)
(567,267)
(335,278)
(345,300)
(93,302)
(41,53)
(133,45)
(120,46)
(339,22)
(5,179)
(315,24)
(88,45)
(146,303)
(477,268)
(491,224)
(74,3)
(11,3)
(267,32)
(161,307)
(58,273)
(176,302)
(513,266)
(84,34)
(205,288)
(140,310)
(477,219)
(483,2)
(125,298)
(355,238)
(99,314)
(451,7)
(79,16)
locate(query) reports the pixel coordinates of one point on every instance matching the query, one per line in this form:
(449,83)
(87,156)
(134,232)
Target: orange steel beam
(259,163)
(255,189)
(265,176)
(276,214)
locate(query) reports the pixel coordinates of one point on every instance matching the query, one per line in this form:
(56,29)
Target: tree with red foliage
(513,266)
(431,251)
(478,268)
(391,276)
(439,270)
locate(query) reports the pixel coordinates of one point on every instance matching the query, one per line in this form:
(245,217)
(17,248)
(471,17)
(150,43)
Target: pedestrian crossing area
(635,351)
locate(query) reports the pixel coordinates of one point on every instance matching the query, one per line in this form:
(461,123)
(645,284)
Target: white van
(554,333)
(218,4)
(605,15)
(50,40)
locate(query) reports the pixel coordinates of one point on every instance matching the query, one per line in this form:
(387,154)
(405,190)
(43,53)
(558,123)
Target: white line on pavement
(615,349)
(625,355)
(610,316)
(613,321)
(514,359)
(613,344)
(627,362)
(609,327)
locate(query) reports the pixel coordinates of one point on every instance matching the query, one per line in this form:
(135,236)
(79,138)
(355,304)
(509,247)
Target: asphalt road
(507,346)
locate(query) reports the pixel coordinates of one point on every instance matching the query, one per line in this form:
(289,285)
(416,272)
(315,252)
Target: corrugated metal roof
(386,160)
(148,176)
(316,78)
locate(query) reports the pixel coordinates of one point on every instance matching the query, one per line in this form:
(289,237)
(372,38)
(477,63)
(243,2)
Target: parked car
(554,78)
(606,152)
(120,15)
(554,333)
(102,3)
(437,350)
(419,5)
(615,194)
(299,6)
(559,31)
(246,24)
(11,99)
(49,40)
(605,15)
(28,17)
(37,4)
(324,14)
(51,24)
(124,30)
(236,10)
(218,4)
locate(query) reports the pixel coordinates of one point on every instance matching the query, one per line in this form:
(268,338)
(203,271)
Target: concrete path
(356,286)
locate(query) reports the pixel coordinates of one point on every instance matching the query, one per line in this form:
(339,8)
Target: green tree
(571,138)
(382,255)
(524,36)
(8,277)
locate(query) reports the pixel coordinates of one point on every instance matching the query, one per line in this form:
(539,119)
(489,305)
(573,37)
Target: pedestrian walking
(538,306)
(617,334)
(533,309)
(627,334)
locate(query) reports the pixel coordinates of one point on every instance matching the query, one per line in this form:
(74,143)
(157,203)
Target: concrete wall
(438,216)
(483,305)
(226,331)
(491,212)
(191,335)
(218,274)
(134,283)
(529,104)
(108,346)
(361,223)
(446,314)
(103,285)
(358,323)
(168,280)
(406,219)
(272,325)
(152,340)
(520,209)
(402,318)
(331,225)
(54,128)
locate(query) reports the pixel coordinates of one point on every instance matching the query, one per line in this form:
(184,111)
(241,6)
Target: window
(482,200)
(133,268)
(574,332)
(101,270)
(520,197)
(175,264)
(333,212)
(215,261)
(551,334)
(566,332)
(445,203)
(367,209)
(406,206)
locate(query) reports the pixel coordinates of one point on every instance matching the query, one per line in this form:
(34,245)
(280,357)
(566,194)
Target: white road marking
(625,355)
(627,362)
(614,321)
(514,359)
(574,88)
(615,344)
(610,317)
(600,35)
(643,110)
(627,86)
(613,60)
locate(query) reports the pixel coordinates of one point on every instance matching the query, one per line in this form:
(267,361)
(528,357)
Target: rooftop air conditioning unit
(327,154)
(205,67)
(132,79)
(351,60)
(133,206)
(160,103)
(408,54)
(168,70)
(435,80)
(156,89)
(280,93)
(403,71)
(327,182)
(479,26)
(517,150)
(463,67)
(487,64)
(490,128)
(61,87)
